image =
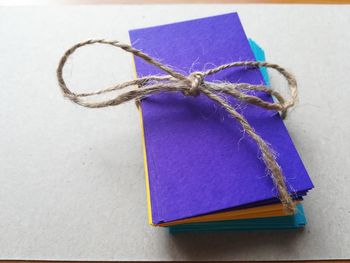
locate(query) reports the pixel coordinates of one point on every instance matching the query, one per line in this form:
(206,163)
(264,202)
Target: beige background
(72,182)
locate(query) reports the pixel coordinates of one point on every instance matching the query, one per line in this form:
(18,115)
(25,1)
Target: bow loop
(193,85)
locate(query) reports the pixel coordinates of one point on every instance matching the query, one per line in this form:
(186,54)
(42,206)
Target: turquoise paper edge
(259,55)
(271,223)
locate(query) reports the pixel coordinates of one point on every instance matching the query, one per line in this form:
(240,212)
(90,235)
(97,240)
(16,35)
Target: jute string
(193,85)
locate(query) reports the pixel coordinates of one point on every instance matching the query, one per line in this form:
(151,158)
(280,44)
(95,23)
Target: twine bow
(194,85)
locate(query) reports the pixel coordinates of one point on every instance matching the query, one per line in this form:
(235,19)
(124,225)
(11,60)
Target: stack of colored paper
(202,172)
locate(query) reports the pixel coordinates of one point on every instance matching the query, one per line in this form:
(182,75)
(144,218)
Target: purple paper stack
(202,172)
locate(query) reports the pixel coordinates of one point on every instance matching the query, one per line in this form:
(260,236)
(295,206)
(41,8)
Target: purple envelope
(199,160)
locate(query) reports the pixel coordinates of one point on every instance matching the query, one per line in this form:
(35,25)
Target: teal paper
(270,223)
(260,56)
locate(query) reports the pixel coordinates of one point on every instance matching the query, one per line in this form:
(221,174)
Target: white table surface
(71,179)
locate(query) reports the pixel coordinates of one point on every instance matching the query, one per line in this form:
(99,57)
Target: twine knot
(196,80)
(193,85)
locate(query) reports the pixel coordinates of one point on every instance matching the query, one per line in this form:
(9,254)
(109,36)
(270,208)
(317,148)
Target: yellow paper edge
(247,213)
(148,193)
